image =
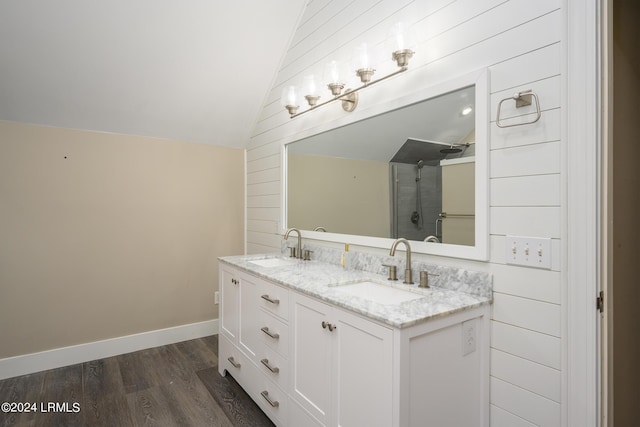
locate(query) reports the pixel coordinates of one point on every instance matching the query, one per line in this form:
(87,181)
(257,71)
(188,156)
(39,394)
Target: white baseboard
(65,356)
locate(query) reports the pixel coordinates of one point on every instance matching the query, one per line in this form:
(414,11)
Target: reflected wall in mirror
(410,172)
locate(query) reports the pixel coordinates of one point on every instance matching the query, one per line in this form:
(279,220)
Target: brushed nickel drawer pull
(272,301)
(273,369)
(273,403)
(233,362)
(273,335)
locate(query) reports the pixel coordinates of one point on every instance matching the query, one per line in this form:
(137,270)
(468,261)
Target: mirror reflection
(405,173)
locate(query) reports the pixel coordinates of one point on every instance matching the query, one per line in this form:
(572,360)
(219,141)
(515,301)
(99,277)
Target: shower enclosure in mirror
(418,172)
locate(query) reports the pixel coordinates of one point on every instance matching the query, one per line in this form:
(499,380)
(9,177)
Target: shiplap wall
(519,41)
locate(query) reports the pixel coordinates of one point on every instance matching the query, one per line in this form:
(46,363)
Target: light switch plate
(528,251)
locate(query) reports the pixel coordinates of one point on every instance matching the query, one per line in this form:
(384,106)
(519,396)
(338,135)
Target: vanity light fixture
(332,74)
(399,41)
(289,99)
(362,61)
(311,88)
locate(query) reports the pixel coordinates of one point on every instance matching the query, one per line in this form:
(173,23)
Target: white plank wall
(519,41)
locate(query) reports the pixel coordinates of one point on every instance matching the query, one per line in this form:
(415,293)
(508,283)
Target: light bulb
(333,76)
(332,72)
(311,89)
(363,56)
(401,42)
(309,84)
(289,99)
(364,61)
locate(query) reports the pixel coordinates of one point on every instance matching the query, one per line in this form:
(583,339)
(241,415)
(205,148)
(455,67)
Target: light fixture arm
(350,97)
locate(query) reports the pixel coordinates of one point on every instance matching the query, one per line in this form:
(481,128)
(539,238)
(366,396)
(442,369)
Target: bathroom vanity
(315,344)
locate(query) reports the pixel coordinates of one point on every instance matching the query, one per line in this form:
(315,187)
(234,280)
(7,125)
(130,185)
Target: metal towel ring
(522,100)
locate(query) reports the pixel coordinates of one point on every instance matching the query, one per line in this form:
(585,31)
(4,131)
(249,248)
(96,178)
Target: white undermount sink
(273,262)
(379,293)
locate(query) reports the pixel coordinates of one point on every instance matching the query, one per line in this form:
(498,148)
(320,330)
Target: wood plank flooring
(173,385)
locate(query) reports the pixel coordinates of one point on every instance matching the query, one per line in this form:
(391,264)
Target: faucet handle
(292,251)
(307,254)
(393,271)
(424,278)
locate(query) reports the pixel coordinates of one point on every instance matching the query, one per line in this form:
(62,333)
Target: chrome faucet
(299,250)
(407,271)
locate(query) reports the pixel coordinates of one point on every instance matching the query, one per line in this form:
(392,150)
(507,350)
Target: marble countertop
(322,280)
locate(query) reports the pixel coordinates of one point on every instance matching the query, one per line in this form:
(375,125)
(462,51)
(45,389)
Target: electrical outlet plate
(468,337)
(528,251)
(216,297)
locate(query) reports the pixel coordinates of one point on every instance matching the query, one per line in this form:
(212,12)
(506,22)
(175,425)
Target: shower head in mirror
(452,149)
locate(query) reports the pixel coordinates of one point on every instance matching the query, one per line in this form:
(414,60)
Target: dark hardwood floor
(173,385)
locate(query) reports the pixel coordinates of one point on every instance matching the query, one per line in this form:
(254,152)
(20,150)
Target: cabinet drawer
(272,400)
(274,333)
(274,299)
(232,360)
(273,366)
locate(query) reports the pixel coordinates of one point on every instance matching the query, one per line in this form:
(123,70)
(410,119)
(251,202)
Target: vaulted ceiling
(195,70)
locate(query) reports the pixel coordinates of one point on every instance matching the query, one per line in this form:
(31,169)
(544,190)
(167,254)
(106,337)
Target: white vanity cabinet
(229,285)
(249,338)
(349,371)
(253,343)
(307,362)
(231,359)
(341,365)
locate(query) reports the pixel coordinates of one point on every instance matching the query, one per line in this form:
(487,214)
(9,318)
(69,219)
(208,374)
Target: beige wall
(107,235)
(359,190)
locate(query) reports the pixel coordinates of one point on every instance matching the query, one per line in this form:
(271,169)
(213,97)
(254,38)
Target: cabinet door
(230,291)
(249,339)
(311,356)
(362,369)
(300,417)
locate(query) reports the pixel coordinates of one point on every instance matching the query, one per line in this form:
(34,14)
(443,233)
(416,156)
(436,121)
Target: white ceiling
(195,70)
